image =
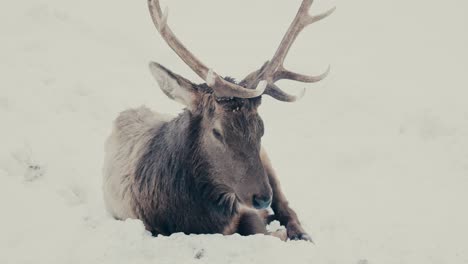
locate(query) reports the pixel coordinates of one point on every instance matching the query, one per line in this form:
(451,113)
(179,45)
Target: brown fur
(201,172)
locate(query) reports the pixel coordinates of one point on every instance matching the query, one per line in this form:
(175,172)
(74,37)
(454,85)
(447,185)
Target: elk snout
(261,201)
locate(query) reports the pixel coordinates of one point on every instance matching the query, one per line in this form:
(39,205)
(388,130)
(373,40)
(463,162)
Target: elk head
(231,128)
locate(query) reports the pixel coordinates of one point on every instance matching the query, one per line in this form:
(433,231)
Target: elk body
(205,170)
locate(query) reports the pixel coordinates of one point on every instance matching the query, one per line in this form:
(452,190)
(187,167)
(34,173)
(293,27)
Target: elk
(205,170)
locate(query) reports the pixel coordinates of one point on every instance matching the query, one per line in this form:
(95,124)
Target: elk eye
(217,135)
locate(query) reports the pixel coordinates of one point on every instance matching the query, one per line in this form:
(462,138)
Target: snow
(374,159)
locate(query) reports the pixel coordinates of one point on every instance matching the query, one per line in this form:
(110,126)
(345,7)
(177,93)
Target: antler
(221,87)
(273,70)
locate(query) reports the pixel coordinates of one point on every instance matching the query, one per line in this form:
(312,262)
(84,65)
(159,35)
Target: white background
(374,159)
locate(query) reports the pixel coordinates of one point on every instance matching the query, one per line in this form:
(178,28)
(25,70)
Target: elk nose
(261,202)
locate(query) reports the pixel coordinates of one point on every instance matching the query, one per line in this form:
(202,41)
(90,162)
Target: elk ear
(173,85)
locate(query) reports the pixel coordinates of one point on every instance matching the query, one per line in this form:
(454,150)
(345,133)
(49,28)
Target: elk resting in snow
(205,170)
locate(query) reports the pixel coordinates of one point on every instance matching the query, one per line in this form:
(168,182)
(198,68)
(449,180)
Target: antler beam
(221,87)
(273,70)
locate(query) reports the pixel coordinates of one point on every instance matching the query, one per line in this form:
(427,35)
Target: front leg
(250,223)
(283,213)
(253,222)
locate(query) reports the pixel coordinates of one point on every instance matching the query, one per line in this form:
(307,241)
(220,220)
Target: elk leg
(283,213)
(251,223)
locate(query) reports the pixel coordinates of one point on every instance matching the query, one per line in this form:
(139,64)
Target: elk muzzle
(261,201)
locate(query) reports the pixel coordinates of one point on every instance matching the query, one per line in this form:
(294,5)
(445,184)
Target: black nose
(261,202)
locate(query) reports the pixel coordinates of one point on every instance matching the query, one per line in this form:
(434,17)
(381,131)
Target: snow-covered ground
(374,159)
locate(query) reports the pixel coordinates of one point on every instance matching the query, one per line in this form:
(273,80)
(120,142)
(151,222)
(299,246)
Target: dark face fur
(232,140)
(230,137)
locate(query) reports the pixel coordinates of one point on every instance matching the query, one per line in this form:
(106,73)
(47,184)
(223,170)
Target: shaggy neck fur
(175,187)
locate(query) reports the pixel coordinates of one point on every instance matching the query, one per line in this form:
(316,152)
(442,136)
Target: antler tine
(289,75)
(275,92)
(274,70)
(221,87)
(299,23)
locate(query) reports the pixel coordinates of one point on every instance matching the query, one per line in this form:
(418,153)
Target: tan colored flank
(133,129)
